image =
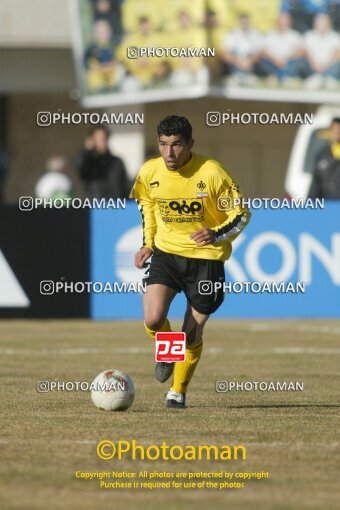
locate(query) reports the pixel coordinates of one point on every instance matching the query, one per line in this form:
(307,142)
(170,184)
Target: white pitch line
(282,350)
(80,350)
(275,350)
(8,352)
(306,328)
(305,350)
(137,350)
(274,444)
(257,326)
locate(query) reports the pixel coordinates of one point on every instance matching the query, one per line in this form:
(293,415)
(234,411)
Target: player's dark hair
(174,125)
(336,120)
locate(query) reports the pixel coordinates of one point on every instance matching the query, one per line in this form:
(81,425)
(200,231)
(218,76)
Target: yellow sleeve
(146,207)
(237,215)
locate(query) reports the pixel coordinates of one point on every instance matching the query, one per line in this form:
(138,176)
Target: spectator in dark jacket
(326,178)
(103,174)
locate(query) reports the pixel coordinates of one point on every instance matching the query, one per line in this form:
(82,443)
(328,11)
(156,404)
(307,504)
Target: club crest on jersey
(201,185)
(201,194)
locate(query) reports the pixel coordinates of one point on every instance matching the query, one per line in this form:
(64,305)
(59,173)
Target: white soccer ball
(112,390)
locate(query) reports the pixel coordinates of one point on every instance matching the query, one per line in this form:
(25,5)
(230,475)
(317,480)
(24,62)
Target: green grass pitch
(294,436)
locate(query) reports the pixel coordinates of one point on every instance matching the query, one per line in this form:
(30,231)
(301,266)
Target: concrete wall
(36,70)
(36,23)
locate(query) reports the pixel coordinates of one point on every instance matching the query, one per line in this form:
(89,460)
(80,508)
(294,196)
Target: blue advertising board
(281,245)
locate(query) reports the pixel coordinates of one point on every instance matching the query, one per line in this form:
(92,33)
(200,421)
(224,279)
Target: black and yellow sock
(185,370)
(152,334)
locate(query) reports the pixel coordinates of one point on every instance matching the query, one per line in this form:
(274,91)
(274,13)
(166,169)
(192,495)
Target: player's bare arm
(142,256)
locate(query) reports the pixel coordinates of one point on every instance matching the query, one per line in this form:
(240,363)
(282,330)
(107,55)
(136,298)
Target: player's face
(174,150)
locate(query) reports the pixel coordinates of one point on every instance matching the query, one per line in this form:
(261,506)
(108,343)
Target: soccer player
(189,218)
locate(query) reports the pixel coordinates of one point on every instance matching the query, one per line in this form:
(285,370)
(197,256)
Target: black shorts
(188,275)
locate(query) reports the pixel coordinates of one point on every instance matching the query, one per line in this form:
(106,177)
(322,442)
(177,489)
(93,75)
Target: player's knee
(194,327)
(154,322)
(199,318)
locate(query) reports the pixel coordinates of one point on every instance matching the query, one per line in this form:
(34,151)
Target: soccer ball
(112,390)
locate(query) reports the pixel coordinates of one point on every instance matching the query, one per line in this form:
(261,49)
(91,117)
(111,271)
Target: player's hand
(142,256)
(203,236)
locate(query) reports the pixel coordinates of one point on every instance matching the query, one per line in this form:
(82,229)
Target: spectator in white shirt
(282,56)
(241,49)
(322,46)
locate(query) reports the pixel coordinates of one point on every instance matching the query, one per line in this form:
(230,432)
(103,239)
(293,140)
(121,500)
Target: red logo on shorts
(170,346)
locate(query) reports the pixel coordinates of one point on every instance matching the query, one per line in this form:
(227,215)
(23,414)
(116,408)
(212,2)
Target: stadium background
(41,76)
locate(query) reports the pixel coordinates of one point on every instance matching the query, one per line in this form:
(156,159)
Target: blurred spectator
(55,183)
(282,56)
(322,47)
(303,12)
(210,19)
(263,13)
(155,11)
(222,13)
(215,34)
(110,11)
(215,38)
(241,51)
(142,71)
(215,31)
(326,176)
(100,62)
(187,70)
(102,173)
(3,173)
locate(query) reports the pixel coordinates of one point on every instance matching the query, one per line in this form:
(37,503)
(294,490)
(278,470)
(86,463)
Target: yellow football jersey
(176,203)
